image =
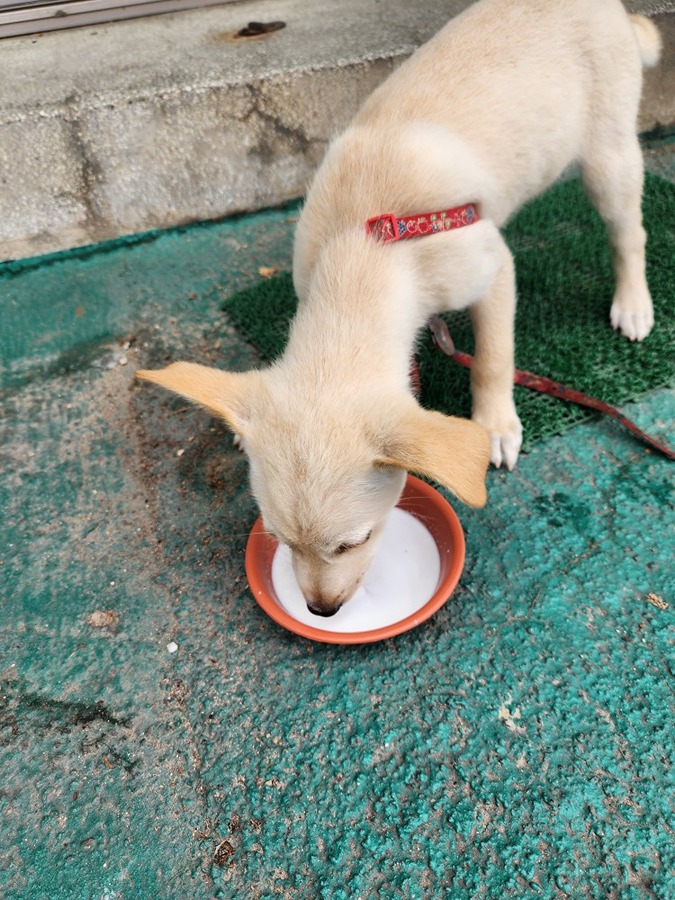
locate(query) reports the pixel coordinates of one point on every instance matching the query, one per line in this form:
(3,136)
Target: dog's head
(325,476)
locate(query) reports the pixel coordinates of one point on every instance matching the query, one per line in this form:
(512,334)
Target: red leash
(444,342)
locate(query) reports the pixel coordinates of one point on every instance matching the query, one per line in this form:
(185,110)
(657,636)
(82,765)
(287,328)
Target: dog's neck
(359,318)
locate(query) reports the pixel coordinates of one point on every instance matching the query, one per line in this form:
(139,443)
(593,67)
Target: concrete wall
(132,126)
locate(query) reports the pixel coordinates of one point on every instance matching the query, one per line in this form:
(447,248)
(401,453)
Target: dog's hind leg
(613,174)
(492,371)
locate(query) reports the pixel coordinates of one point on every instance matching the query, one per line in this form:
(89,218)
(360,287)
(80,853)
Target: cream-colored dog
(488,113)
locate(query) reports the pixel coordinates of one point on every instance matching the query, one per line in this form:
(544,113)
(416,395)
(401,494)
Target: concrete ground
(160,737)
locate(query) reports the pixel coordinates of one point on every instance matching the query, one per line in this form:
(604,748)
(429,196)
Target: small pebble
(657,601)
(103,618)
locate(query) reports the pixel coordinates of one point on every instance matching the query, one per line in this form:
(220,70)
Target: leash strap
(389,228)
(444,342)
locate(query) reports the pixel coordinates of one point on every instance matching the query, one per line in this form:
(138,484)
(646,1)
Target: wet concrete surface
(161,737)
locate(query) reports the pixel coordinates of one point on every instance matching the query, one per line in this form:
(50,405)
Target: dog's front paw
(635,325)
(504,448)
(506,437)
(632,312)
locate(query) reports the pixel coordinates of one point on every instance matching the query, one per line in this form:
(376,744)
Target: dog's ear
(225,394)
(454,452)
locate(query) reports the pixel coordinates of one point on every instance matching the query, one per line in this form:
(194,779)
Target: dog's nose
(324,611)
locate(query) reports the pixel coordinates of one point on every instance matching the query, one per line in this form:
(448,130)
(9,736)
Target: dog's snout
(321,602)
(325,611)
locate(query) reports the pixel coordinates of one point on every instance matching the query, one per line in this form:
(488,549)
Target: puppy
(478,121)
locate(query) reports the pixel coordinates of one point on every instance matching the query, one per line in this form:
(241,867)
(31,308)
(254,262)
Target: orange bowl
(425,504)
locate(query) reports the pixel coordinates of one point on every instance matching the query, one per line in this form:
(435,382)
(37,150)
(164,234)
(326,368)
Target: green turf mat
(565,287)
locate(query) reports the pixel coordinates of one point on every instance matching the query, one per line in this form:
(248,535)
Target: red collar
(389,228)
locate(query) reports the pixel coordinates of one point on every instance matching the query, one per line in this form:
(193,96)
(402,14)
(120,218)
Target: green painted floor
(519,744)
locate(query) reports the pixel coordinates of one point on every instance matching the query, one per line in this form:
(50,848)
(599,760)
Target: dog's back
(509,92)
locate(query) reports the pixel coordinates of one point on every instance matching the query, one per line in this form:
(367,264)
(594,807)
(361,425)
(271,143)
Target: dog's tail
(648,38)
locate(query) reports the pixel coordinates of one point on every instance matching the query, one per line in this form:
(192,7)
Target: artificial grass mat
(565,287)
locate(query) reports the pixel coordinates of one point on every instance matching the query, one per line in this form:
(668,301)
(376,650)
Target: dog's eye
(345,548)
